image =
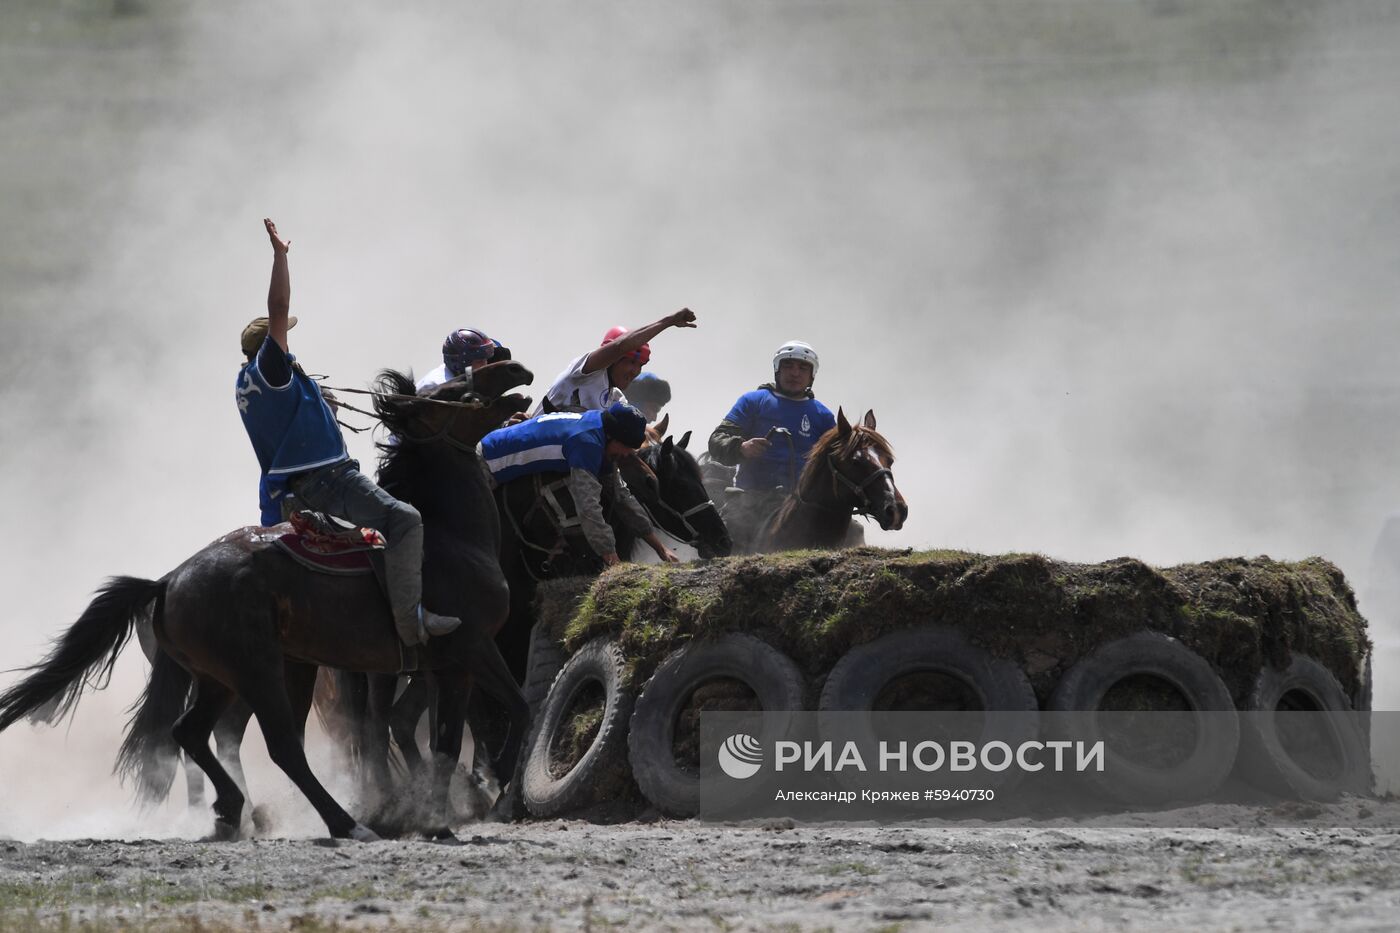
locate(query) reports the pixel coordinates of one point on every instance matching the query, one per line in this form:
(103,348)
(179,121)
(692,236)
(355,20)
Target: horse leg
(489,671)
(407,710)
(267,694)
(228,740)
(191,732)
(446,750)
(194,785)
(301,686)
(377,781)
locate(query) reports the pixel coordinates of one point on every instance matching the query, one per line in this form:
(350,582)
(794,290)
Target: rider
(464,350)
(586,446)
(650,393)
(752,437)
(300,448)
(600,377)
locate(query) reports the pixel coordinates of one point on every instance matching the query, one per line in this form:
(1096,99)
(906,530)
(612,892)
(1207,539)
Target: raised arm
(279,291)
(609,353)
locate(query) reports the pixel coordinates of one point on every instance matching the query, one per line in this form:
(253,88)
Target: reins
(397,396)
(682,517)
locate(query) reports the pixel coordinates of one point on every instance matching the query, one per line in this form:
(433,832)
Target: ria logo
(740,756)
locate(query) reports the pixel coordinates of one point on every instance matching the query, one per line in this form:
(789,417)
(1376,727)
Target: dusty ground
(1338,867)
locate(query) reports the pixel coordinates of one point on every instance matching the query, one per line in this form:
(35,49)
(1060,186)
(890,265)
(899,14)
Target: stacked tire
(651,736)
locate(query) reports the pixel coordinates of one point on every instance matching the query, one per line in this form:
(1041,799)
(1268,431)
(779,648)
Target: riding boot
(435,624)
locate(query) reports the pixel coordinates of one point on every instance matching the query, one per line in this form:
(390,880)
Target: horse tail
(149,754)
(84,655)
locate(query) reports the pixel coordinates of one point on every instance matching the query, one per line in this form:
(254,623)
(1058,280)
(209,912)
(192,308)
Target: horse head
(681,504)
(856,460)
(459,413)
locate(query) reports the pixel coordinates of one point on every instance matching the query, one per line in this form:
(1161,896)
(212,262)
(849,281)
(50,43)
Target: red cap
(641,355)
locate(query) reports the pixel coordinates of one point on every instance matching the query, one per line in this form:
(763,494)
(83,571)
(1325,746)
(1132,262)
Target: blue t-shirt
(291,426)
(271,490)
(553,443)
(759,411)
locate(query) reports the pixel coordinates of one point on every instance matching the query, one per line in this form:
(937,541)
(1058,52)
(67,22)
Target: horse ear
(666,446)
(685,439)
(869,419)
(547,407)
(842,425)
(662,425)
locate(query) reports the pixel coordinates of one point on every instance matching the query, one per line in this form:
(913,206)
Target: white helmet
(796,350)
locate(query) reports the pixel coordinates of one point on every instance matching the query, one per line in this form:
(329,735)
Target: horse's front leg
(452,692)
(379,790)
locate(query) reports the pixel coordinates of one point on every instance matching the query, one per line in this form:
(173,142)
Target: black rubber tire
(857,680)
(765,670)
(1084,686)
(601,771)
(1266,763)
(545,660)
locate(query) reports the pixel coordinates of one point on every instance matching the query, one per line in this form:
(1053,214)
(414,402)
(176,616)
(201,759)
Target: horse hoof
(446,837)
(224,831)
(262,820)
(362,833)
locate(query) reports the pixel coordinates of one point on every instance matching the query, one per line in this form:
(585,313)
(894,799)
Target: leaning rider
(301,450)
(770,430)
(600,377)
(465,350)
(585,446)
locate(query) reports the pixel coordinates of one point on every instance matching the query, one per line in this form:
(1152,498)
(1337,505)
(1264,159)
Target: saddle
(319,544)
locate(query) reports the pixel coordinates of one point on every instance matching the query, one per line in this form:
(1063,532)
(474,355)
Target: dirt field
(689,875)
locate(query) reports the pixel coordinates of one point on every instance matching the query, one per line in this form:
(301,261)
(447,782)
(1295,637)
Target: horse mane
(860,438)
(397,404)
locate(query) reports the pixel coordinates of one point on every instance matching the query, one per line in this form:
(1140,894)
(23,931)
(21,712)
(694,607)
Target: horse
(664,478)
(240,620)
(847,473)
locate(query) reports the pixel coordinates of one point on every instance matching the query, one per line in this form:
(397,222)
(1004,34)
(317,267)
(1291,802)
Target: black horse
(665,479)
(244,621)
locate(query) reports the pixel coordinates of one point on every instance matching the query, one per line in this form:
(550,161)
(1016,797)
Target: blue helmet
(623,423)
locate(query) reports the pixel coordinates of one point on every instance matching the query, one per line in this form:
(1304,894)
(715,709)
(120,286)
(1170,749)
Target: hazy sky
(1116,277)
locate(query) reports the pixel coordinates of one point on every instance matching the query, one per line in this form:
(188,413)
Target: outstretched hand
(279,245)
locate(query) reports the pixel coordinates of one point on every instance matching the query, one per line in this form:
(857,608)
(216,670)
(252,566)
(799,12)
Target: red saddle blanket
(330,548)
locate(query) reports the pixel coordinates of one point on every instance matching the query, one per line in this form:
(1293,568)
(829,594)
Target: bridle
(860,491)
(683,518)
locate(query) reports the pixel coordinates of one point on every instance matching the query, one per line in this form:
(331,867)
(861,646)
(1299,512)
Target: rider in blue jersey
(300,448)
(584,446)
(768,434)
(767,460)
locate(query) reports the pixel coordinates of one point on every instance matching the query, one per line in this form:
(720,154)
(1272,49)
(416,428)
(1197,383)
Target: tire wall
(1044,615)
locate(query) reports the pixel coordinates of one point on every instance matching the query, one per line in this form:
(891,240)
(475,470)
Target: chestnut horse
(847,473)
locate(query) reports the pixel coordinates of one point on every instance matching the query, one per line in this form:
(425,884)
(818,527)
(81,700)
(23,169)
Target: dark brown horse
(847,473)
(244,621)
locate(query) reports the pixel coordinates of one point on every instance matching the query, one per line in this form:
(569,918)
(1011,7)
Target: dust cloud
(1114,276)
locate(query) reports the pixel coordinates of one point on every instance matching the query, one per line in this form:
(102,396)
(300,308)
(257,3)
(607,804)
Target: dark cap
(256,332)
(623,423)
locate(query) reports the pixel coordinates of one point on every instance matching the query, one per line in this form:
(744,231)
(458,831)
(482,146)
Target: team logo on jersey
(806,425)
(246,390)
